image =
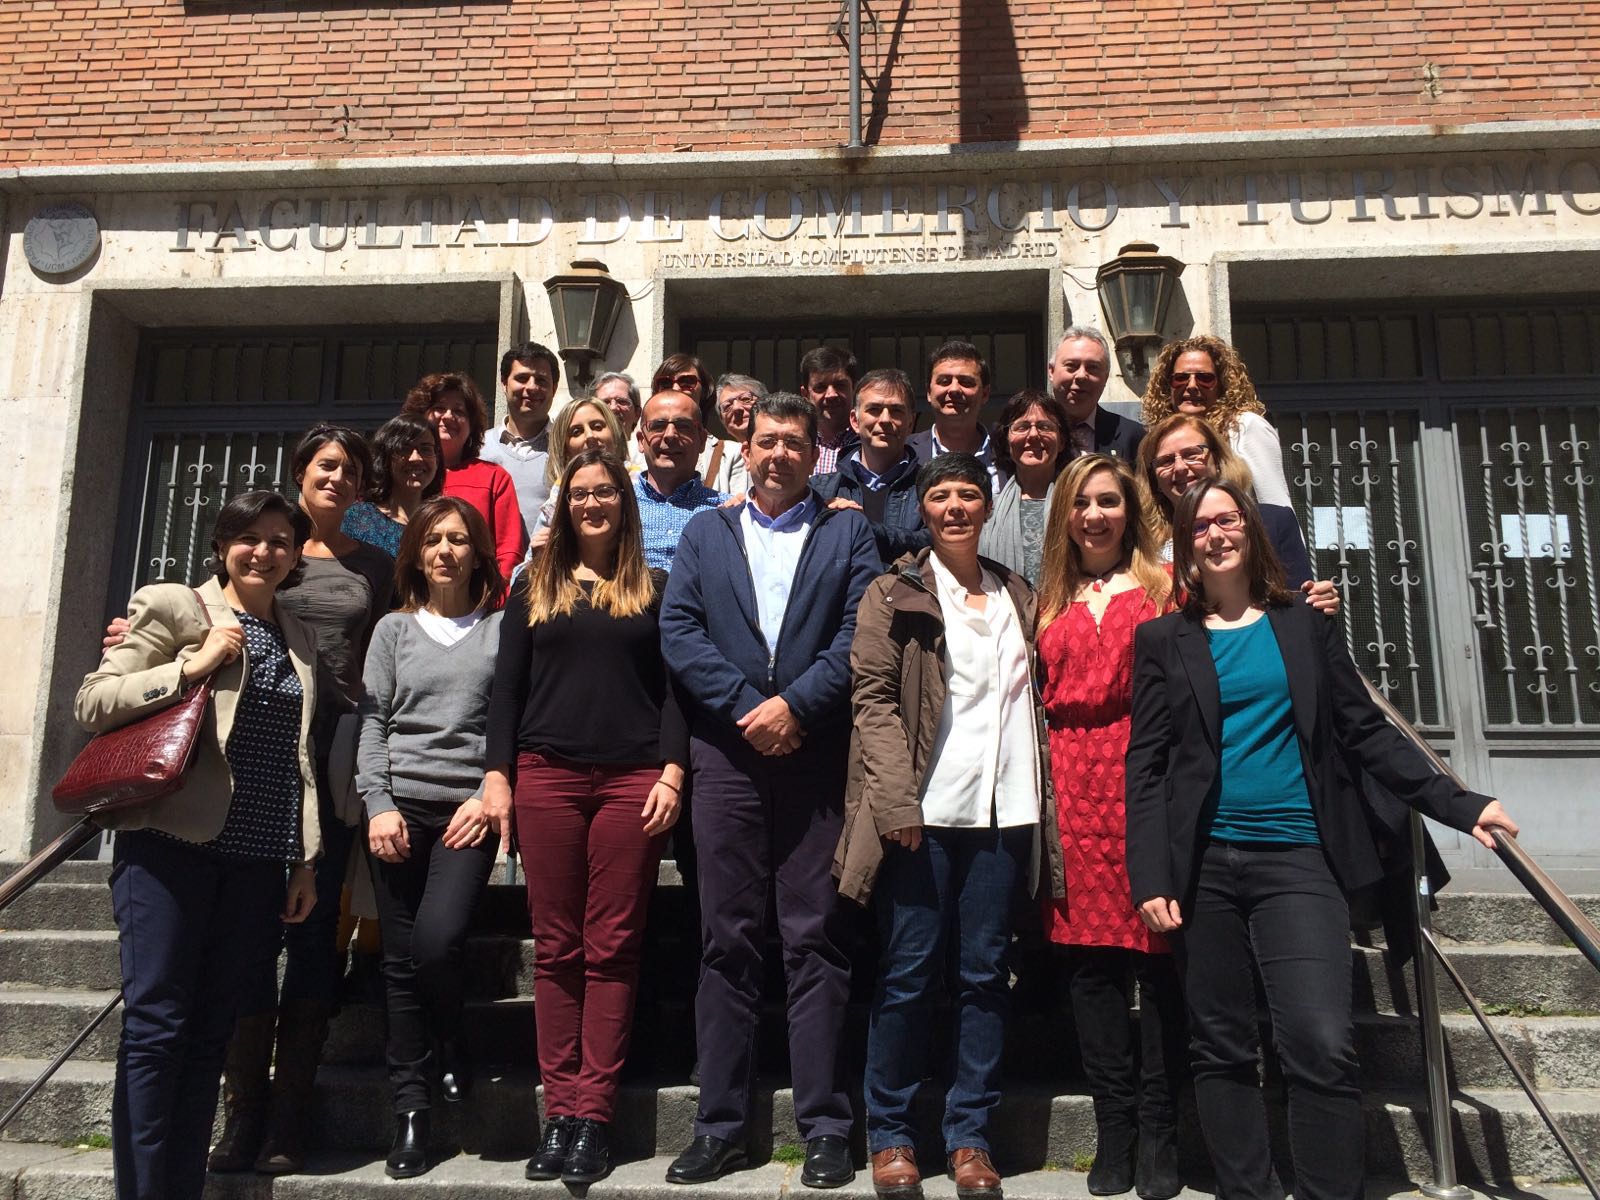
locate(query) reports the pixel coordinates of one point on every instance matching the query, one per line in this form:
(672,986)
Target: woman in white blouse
(948,811)
(1205,377)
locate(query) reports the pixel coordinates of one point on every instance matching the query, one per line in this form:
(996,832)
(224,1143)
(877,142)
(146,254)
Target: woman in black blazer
(1242,840)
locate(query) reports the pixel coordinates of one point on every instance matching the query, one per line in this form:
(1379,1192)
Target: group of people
(1069,656)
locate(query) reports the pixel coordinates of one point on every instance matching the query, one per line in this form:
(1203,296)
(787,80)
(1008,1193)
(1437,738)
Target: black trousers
(1100,984)
(193,927)
(424,906)
(1279,909)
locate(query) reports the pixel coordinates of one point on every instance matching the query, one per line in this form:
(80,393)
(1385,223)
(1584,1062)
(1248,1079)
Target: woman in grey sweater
(420,774)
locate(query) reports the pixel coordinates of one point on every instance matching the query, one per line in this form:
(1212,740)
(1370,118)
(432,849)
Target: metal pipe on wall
(855,75)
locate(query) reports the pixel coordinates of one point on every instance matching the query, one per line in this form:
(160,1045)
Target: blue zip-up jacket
(714,646)
(901,531)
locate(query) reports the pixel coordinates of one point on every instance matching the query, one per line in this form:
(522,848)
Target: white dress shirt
(985,766)
(773,545)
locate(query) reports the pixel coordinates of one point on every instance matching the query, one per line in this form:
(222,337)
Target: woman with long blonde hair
(1204,376)
(1103,578)
(589,752)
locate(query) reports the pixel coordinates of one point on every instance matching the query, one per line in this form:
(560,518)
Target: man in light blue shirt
(669,490)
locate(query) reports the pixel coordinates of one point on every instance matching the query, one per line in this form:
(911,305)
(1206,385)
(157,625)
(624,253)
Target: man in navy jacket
(756,626)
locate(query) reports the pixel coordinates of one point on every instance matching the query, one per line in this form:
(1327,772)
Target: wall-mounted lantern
(1136,287)
(585,303)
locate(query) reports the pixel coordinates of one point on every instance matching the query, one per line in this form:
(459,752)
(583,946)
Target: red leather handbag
(138,762)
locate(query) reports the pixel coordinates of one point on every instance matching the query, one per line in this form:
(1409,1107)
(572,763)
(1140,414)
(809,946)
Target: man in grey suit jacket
(1079,371)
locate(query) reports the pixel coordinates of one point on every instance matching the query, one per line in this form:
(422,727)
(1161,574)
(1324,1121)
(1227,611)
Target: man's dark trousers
(765,823)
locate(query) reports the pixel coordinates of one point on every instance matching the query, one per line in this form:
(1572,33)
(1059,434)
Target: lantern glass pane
(1143,290)
(578,304)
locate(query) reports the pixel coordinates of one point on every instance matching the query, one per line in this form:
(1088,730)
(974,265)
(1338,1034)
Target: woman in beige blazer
(201,878)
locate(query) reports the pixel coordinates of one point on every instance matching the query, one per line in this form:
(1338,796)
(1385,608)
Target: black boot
(455,1066)
(551,1158)
(1112,1173)
(302,1028)
(1156,1177)
(588,1159)
(244,1094)
(408,1157)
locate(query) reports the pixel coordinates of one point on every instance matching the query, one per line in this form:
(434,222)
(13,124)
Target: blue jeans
(192,927)
(943,911)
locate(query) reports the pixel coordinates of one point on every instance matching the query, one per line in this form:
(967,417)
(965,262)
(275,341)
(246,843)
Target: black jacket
(1174,749)
(1116,435)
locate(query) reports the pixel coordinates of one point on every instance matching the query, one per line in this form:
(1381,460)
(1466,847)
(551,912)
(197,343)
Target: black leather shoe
(455,1080)
(706,1158)
(408,1157)
(588,1159)
(828,1162)
(551,1158)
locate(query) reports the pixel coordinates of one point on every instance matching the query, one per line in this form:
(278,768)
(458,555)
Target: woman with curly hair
(1205,377)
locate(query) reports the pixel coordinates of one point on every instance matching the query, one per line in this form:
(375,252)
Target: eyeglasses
(605,493)
(793,445)
(1201,378)
(687,426)
(1194,456)
(1041,427)
(742,400)
(1225,521)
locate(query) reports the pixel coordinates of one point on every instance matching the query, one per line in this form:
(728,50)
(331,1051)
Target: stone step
(63,1173)
(58,904)
(1487,917)
(1557,1052)
(1499,1136)
(1511,977)
(74,870)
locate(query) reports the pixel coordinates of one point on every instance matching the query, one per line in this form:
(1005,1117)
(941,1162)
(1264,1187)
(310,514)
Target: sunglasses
(683,383)
(1202,378)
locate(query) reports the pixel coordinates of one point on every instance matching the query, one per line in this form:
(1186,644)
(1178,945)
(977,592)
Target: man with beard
(828,379)
(1079,371)
(756,626)
(958,388)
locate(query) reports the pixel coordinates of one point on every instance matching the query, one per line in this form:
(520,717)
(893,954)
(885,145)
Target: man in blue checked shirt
(671,436)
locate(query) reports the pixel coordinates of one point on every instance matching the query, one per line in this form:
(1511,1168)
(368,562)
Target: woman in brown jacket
(943,816)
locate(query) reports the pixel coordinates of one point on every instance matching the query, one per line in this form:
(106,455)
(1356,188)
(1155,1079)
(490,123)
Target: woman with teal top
(405,472)
(1244,838)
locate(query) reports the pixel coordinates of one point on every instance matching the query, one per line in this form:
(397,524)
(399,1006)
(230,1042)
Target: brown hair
(432,388)
(674,365)
(1265,572)
(1236,395)
(1016,408)
(1229,467)
(411,582)
(552,589)
(1062,574)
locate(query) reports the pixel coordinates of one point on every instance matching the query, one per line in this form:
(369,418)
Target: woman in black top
(1243,838)
(594,748)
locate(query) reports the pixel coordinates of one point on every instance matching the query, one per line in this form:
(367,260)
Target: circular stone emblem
(60,238)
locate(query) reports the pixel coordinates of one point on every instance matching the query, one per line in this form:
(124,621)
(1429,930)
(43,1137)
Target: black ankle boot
(551,1158)
(455,1071)
(588,1159)
(1112,1173)
(1156,1177)
(408,1157)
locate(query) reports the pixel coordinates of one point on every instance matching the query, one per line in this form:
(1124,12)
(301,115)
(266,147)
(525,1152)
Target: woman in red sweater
(450,402)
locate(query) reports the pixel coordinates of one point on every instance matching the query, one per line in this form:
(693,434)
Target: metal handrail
(1573,922)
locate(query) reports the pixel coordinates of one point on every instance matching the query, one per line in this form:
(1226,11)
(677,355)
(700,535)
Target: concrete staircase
(58,966)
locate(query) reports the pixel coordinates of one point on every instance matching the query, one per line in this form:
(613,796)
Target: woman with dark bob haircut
(407,469)
(947,813)
(204,878)
(432,841)
(451,403)
(1031,447)
(1244,839)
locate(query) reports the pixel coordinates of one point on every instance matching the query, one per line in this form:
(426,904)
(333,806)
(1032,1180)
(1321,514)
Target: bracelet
(673,786)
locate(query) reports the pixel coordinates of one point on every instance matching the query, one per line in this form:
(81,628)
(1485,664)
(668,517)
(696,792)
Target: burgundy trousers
(590,871)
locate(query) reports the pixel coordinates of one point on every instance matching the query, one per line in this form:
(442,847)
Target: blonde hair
(553,589)
(1062,574)
(1237,394)
(558,434)
(1229,467)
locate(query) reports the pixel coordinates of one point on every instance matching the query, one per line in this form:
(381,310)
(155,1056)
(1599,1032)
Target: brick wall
(146,80)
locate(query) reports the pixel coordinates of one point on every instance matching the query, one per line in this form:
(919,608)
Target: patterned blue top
(366,524)
(263,753)
(663,517)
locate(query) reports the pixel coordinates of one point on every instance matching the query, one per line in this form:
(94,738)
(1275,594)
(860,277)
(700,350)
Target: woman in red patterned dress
(1101,578)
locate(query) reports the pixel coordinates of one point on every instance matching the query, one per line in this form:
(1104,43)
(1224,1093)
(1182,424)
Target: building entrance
(1442,462)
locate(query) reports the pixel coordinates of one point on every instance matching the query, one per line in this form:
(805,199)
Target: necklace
(1098,582)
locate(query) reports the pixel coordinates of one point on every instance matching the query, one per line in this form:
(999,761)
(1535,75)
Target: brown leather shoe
(895,1175)
(974,1173)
